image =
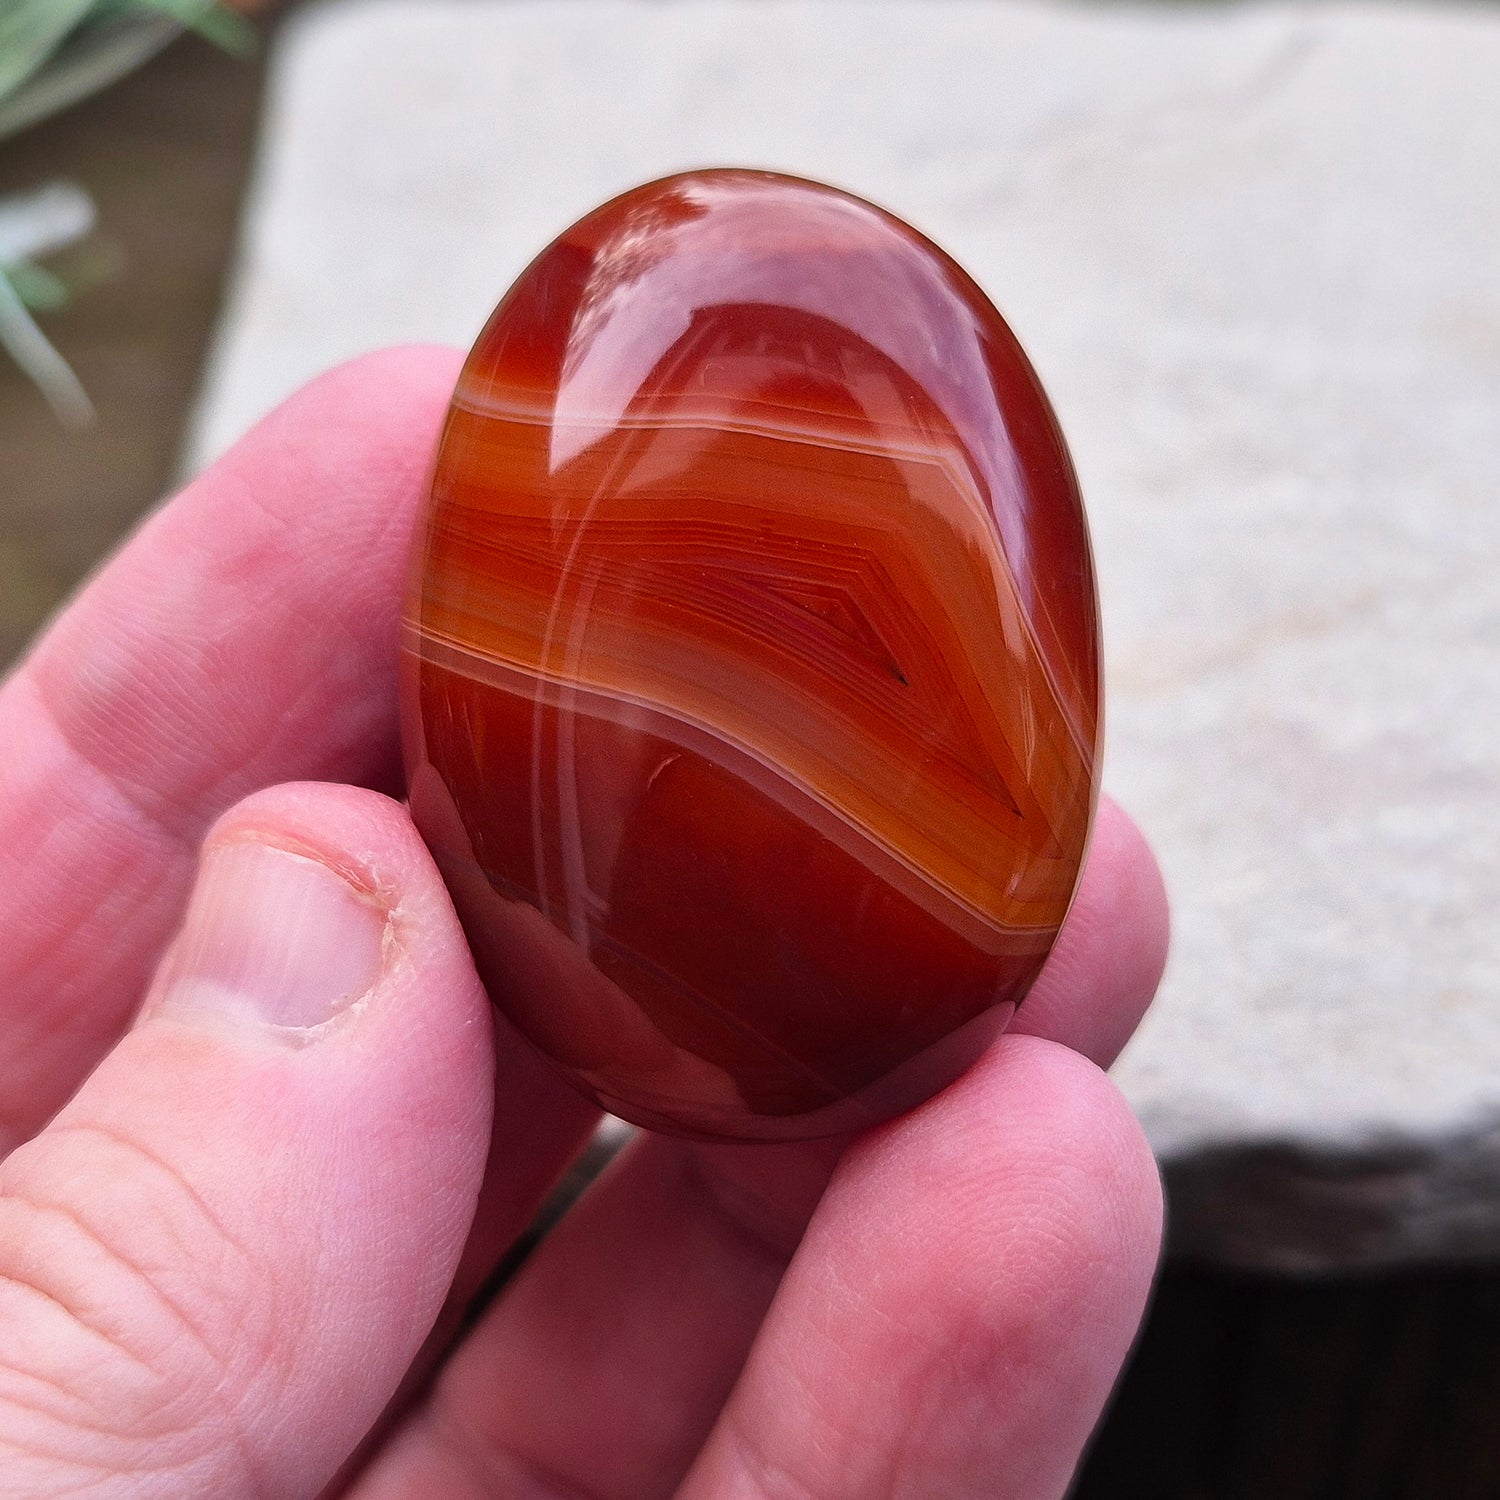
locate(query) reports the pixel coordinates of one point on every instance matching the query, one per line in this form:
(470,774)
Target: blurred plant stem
(32,226)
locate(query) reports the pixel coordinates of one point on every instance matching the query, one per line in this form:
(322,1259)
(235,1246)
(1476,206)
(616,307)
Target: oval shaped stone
(751,665)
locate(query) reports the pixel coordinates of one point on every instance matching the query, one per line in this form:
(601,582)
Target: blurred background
(1255,253)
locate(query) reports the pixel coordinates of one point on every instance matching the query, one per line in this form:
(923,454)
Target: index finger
(245,635)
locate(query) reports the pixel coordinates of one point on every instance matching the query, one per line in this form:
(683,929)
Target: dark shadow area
(1261,1388)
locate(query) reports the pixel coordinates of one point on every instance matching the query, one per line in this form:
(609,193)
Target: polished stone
(752,680)
(1251,251)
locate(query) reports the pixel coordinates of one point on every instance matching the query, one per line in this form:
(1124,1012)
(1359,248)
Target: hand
(240,1229)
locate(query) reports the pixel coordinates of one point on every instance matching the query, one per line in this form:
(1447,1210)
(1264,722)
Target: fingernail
(273,936)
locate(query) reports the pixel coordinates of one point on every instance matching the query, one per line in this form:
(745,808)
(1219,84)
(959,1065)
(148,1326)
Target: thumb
(219,1259)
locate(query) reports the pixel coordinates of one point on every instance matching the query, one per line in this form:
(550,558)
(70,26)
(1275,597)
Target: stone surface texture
(751,668)
(1254,253)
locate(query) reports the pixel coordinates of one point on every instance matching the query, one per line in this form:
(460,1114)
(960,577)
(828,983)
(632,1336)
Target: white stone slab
(1255,253)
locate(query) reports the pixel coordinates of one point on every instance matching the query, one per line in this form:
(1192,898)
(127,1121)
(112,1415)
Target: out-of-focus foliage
(52,53)
(33,31)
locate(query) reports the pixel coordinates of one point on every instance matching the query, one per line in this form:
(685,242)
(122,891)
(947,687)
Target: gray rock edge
(1383,1203)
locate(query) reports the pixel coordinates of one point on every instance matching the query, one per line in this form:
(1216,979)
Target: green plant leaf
(30,31)
(223,27)
(31,349)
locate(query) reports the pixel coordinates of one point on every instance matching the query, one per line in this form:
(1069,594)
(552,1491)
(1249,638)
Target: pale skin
(251,1176)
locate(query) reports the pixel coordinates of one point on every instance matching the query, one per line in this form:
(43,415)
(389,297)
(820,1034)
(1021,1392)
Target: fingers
(220,1257)
(950,1326)
(607,1359)
(961,1304)
(605,1363)
(1112,950)
(246,635)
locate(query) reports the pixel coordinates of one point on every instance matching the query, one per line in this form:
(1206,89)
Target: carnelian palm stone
(751,663)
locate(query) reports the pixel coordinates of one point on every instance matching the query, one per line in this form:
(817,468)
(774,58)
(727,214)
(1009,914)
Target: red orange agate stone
(751,664)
